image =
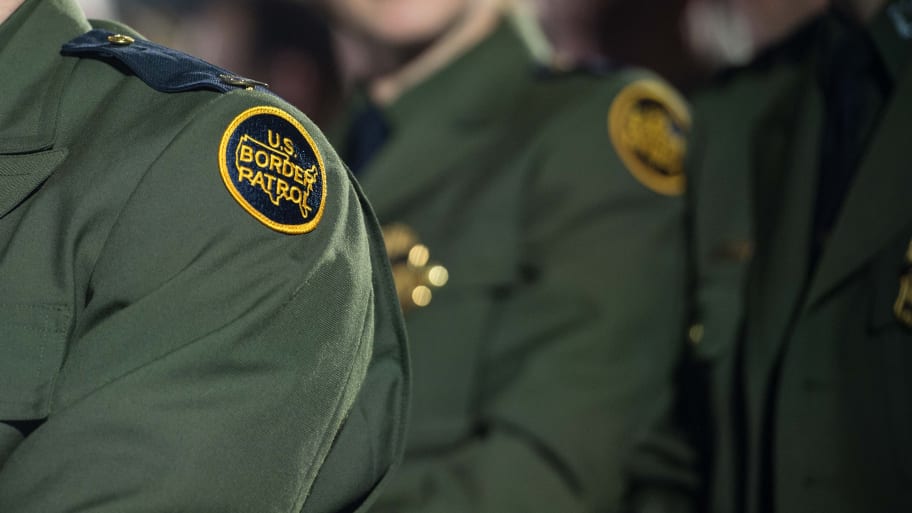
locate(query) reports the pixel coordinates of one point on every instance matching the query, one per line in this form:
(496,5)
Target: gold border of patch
(632,95)
(292,229)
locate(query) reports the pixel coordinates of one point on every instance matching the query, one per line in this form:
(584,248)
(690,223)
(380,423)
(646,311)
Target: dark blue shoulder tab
(163,69)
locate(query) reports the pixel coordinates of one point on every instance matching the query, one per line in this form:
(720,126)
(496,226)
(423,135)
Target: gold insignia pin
(246,83)
(695,333)
(648,124)
(120,40)
(903,306)
(415,274)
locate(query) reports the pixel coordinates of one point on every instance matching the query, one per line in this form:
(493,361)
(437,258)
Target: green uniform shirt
(165,345)
(801,365)
(536,364)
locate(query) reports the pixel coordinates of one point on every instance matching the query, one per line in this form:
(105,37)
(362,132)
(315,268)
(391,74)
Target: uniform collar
(875,210)
(456,105)
(30,42)
(461,91)
(889,32)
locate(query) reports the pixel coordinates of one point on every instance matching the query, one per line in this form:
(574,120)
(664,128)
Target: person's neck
(570,48)
(414,68)
(8,7)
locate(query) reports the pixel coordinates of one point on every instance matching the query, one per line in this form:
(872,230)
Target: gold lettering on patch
(262,155)
(268,166)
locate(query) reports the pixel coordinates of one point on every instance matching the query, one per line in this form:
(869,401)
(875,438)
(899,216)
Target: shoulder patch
(272,167)
(162,68)
(648,124)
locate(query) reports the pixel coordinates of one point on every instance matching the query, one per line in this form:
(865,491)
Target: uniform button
(246,83)
(419,255)
(438,276)
(695,333)
(421,296)
(120,40)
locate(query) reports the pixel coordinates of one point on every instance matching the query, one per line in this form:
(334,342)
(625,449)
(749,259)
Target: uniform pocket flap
(31,352)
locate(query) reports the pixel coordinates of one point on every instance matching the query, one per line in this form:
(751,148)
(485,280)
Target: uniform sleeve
(372,440)
(213,359)
(581,349)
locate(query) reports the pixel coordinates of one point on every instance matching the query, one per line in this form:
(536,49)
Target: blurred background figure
(281,42)
(730,32)
(599,34)
(538,251)
(98,9)
(800,395)
(287,35)
(293,53)
(159,21)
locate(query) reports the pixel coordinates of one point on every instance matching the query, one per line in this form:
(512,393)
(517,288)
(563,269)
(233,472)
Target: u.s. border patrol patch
(272,167)
(648,124)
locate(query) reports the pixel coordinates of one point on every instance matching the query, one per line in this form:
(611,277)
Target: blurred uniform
(553,203)
(192,287)
(802,239)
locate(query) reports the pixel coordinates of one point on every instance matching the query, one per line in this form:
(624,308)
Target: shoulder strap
(163,69)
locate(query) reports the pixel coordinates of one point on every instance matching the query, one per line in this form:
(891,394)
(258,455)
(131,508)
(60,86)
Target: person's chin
(720,36)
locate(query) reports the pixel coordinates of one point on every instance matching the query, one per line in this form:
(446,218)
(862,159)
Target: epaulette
(163,69)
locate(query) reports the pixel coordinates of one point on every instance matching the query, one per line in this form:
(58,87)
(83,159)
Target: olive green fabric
(160,348)
(535,366)
(798,390)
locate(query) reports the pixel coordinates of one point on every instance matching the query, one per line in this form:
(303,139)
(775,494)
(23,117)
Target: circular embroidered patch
(648,124)
(272,167)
